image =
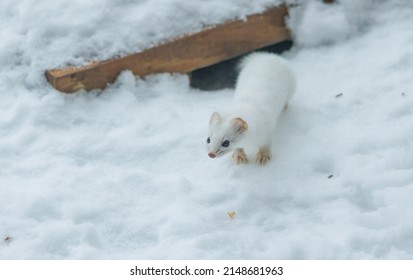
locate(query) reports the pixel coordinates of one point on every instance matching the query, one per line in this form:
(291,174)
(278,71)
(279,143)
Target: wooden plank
(181,55)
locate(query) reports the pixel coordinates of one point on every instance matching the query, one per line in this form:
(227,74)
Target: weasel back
(265,79)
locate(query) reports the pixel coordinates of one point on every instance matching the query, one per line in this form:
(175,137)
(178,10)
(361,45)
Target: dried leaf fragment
(232,215)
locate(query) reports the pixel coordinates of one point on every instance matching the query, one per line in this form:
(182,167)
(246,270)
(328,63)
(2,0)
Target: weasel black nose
(212,155)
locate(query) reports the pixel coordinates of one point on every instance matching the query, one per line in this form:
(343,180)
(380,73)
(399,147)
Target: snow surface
(123,173)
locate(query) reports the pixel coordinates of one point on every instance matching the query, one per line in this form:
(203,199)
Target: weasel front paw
(239,156)
(263,156)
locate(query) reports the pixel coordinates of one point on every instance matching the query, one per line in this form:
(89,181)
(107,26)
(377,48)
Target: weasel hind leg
(239,156)
(263,156)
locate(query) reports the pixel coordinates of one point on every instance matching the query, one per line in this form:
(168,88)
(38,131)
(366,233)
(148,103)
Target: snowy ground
(123,174)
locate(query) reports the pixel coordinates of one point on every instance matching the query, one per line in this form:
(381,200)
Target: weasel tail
(265,85)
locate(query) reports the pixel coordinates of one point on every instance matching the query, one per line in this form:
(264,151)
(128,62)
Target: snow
(123,173)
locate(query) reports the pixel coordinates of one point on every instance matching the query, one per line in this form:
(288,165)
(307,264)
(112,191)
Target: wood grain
(182,55)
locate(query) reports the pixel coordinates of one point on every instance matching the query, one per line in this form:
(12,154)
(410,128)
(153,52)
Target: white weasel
(264,86)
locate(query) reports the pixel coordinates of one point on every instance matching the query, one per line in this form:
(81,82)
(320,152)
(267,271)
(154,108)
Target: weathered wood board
(182,55)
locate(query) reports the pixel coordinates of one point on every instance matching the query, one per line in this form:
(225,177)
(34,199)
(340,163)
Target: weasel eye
(208,140)
(225,143)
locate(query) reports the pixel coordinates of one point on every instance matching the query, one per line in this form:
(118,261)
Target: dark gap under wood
(224,74)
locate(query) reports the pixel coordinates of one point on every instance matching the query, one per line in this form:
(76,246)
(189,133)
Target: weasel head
(223,134)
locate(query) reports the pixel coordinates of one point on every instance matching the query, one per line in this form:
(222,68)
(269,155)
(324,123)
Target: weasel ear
(215,118)
(239,125)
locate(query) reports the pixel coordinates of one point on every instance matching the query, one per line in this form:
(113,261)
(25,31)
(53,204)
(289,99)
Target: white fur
(264,86)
